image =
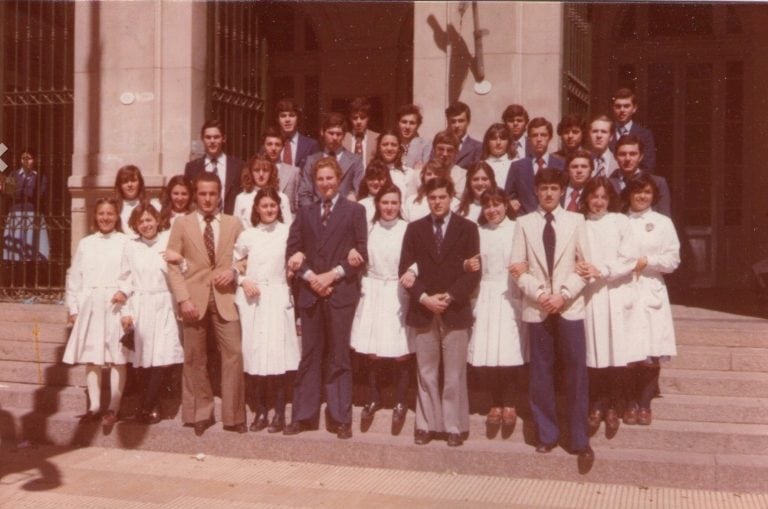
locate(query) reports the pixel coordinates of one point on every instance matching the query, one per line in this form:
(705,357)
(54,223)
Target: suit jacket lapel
(194,233)
(225,231)
(429,235)
(333,220)
(563,236)
(451,235)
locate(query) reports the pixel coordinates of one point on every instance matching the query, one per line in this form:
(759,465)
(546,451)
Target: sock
(116,386)
(93,383)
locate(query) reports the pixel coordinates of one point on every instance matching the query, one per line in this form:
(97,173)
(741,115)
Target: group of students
(492,253)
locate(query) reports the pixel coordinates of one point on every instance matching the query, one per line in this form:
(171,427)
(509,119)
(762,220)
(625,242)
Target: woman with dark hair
(259,173)
(610,342)
(377,176)
(150,309)
(496,151)
(650,249)
(270,345)
(379,330)
(417,207)
(25,238)
(390,152)
(130,191)
(498,347)
(480,178)
(176,201)
(93,303)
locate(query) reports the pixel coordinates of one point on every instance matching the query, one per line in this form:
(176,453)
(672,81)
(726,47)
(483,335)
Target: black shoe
(294,428)
(259,423)
(201,426)
(398,418)
(344,431)
(370,409)
(585,459)
(277,425)
(237,428)
(545,448)
(422,437)
(149,417)
(454,440)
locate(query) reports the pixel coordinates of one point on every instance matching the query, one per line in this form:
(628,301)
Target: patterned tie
(359,145)
(600,167)
(539,164)
(327,204)
(287,156)
(549,241)
(573,205)
(215,166)
(438,233)
(210,247)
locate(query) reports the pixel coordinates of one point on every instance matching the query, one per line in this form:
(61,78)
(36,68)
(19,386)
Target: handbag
(128,340)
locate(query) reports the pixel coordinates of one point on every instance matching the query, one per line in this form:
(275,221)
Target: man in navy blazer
(516,118)
(630,153)
(457,117)
(319,241)
(519,185)
(440,312)
(332,131)
(624,109)
(297,146)
(227,167)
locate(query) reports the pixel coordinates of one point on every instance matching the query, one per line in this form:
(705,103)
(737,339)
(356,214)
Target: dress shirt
(339,269)
(627,127)
(221,171)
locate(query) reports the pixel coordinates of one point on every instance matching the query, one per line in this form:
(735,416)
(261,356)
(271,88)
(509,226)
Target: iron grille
(577,59)
(36,93)
(235,70)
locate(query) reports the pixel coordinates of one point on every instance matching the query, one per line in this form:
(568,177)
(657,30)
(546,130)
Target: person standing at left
(319,241)
(225,166)
(205,293)
(440,312)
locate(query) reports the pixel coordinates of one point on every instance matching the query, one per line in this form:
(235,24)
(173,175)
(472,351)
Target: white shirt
(221,171)
(294,144)
(627,127)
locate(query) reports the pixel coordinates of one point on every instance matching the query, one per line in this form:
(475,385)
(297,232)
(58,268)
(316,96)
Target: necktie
(359,145)
(600,167)
(625,181)
(439,233)
(214,166)
(573,205)
(549,241)
(208,238)
(539,164)
(287,156)
(326,212)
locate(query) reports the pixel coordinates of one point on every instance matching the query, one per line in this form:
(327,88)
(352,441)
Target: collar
(446,218)
(201,216)
(627,126)
(638,215)
(221,160)
(502,159)
(101,235)
(557,212)
(150,242)
(268,227)
(334,200)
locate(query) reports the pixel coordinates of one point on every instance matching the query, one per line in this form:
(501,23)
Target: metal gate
(577,59)
(236,68)
(36,93)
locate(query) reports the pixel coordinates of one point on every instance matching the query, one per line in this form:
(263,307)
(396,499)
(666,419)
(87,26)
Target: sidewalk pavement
(43,477)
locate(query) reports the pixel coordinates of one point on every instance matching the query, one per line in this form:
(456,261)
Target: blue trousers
(558,336)
(325,337)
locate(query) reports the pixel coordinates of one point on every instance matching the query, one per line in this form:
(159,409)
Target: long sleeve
(306,187)
(574,283)
(360,231)
(408,258)
(176,278)
(668,258)
(529,285)
(295,241)
(463,287)
(74,283)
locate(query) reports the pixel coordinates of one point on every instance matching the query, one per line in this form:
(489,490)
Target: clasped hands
(436,303)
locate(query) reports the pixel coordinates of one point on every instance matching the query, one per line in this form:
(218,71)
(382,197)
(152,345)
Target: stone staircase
(710,427)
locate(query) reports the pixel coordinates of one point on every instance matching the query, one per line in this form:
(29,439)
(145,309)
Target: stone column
(139,95)
(523,54)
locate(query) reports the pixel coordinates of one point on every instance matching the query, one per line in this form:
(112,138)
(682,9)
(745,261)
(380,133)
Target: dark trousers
(553,337)
(325,336)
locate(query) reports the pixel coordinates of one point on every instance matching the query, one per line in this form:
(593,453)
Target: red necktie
(540,163)
(573,205)
(287,156)
(359,145)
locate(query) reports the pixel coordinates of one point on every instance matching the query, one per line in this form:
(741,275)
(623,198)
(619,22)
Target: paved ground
(50,477)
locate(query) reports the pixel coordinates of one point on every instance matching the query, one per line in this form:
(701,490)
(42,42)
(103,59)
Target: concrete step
(735,472)
(664,435)
(720,358)
(42,332)
(47,313)
(713,383)
(43,373)
(31,351)
(728,409)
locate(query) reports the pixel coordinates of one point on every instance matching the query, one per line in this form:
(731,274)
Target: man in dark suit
(320,239)
(624,109)
(440,312)
(578,168)
(519,185)
(332,132)
(288,175)
(457,117)
(630,153)
(227,167)
(297,146)
(516,118)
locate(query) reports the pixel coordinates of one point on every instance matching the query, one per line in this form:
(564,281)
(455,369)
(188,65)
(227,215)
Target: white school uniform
(125,214)
(244,208)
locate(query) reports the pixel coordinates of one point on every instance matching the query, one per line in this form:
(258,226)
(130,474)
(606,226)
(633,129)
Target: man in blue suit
(297,146)
(319,241)
(332,131)
(515,117)
(630,154)
(457,117)
(624,109)
(519,185)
